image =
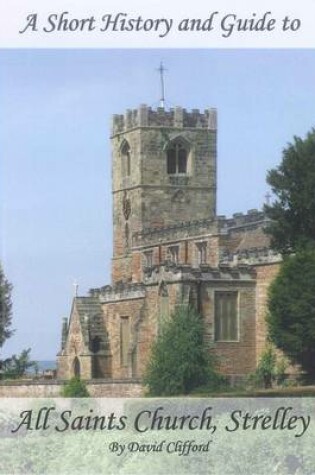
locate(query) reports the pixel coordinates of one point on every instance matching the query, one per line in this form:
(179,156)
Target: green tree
(75,388)
(5,308)
(179,361)
(291,307)
(293,183)
(17,365)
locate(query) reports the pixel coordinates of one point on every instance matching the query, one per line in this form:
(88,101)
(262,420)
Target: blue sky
(55,155)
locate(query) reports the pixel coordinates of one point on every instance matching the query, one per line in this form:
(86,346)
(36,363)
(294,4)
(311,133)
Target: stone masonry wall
(149,197)
(74,346)
(113,312)
(235,357)
(265,275)
(187,254)
(66,366)
(110,389)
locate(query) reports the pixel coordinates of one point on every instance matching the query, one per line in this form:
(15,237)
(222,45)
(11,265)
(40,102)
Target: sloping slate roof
(91,319)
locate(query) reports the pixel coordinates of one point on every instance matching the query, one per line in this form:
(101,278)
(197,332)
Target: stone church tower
(170,248)
(164,173)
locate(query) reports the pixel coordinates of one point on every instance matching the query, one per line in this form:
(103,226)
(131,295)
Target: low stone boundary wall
(52,388)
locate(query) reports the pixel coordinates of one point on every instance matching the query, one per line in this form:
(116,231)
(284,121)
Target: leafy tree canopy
(179,360)
(17,365)
(291,318)
(293,184)
(5,308)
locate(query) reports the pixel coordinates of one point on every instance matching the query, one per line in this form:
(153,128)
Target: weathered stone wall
(175,231)
(148,197)
(74,346)
(265,275)
(234,357)
(147,331)
(113,312)
(30,389)
(145,317)
(66,365)
(187,254)
(53,389)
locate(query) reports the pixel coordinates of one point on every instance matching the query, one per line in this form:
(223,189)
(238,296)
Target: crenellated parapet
(177,117)
(219,225)
(152,236)
(185,273)
(253,256)
(252,217)
(118,292)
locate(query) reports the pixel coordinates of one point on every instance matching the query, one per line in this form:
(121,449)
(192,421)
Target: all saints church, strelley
(171,248)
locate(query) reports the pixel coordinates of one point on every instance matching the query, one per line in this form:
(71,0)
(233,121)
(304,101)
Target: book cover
(135,148)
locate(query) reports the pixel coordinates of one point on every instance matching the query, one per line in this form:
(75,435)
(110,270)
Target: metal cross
(161,71)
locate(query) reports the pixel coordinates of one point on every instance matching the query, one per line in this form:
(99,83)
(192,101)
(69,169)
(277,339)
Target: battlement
(170,272)
(239,220)
(150,236)
(178,117)
(220,225)
(250,257)
(120,291)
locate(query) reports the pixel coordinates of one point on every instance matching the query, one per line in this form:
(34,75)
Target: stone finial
(143,115)
(212,119)
(178,117)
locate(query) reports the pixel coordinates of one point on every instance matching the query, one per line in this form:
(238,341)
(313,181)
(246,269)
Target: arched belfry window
(126,160)
(177,158)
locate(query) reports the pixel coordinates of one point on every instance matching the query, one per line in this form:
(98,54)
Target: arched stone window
(76,367)
(177,158)
(125,158)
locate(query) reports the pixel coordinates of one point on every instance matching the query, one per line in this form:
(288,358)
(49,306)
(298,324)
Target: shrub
(179,361)
(269,369)
(75,388)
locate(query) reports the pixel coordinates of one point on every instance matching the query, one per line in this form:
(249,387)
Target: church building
(171,248)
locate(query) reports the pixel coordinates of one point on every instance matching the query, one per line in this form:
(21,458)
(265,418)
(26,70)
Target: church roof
(91,319)
(87,306)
